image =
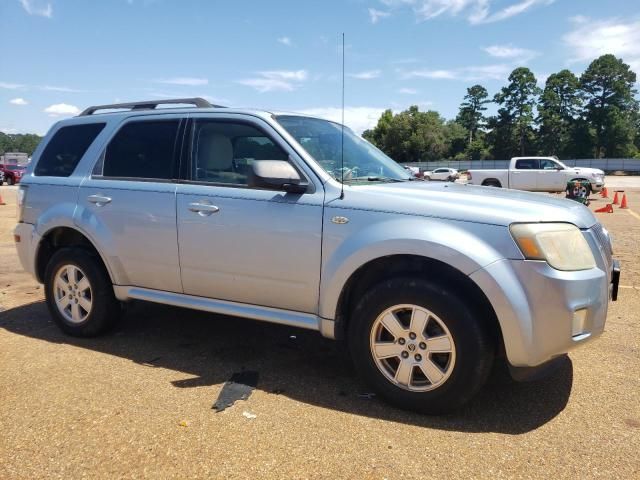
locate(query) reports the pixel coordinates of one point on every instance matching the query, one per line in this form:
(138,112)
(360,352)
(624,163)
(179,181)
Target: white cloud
(476,11)
(51,88)
(11,86)
(357,118)
(186,81)
(375,15)
(37,7)
(368,75)
(509,51)
(408,91)
(285,41)
(481,72)
(9,131)
(591,38)
(276,80)
(18,101)
(62,110)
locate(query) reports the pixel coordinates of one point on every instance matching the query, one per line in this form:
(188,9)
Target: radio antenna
(342,128)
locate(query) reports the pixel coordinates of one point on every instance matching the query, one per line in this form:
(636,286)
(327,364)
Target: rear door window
(528,164)
(145,149)
(66,148)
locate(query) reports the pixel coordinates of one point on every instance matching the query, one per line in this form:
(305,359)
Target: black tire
(10,181)
(105,309)
(474,346)
(492,183)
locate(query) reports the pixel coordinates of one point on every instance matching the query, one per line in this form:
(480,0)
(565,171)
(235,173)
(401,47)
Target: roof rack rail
(150,105)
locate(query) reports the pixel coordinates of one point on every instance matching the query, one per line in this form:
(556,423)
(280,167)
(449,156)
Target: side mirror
(276,175)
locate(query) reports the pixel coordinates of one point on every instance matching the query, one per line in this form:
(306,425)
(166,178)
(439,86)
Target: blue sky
(60,56)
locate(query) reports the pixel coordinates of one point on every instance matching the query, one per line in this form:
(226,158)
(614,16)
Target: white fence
(606,164)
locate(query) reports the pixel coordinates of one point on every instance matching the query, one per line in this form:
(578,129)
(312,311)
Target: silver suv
(295,220)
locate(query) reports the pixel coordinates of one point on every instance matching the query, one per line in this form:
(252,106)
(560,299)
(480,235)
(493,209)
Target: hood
(471,203)
(586,171)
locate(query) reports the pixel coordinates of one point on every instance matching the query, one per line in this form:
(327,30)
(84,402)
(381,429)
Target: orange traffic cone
(604,193)
(615,199)
(623,204)
(2,202)
(606,209)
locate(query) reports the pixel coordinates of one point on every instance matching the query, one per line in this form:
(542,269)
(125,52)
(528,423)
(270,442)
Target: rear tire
(79,293)
(434,365)
(492,183)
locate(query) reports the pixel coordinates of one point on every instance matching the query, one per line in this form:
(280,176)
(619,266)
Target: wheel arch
(59,237)
(376,270)
(492,181)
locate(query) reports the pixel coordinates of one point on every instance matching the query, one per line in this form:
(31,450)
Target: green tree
(470,115)
(517,101)
(610,106)
(411,135)
(558,109)
(26,143)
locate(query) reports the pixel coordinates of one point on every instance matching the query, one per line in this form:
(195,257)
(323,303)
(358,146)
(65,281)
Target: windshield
(323,141)
(14,167)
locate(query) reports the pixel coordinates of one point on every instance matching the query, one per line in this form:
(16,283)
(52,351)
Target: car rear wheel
(419,345)
(492,183)
(79,293)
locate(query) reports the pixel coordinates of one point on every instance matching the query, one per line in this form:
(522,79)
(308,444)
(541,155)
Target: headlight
(561,245)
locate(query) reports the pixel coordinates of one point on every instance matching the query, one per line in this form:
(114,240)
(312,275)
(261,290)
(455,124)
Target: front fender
(368,236)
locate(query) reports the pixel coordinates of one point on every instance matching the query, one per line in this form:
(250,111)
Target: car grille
(604,241)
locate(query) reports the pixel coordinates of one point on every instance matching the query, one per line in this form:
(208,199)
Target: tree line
(595,115)
(19,142)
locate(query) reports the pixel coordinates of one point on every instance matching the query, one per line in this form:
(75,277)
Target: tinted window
(528,164)
(142,150)
(66,148)
(223,152)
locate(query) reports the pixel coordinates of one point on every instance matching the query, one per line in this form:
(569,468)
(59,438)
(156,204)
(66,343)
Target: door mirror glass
(275,175)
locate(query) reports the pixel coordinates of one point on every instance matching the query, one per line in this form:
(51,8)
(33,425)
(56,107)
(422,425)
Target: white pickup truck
(542,174)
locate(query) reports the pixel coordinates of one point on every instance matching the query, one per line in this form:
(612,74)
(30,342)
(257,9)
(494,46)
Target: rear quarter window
(63,152)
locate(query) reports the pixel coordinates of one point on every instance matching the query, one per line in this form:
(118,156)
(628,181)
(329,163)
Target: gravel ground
(138,402)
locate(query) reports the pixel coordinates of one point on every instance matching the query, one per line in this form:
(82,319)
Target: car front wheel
(419,345)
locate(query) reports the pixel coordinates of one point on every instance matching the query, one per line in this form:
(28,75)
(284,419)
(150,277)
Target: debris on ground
(249,415)
(238,387)
(367,395)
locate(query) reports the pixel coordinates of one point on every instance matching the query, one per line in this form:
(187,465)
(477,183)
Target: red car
(12,173)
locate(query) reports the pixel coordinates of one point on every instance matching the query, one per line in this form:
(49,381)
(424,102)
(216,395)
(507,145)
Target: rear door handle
(99,200)
(203,209)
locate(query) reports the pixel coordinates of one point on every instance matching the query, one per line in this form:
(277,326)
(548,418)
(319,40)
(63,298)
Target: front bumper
(544,312)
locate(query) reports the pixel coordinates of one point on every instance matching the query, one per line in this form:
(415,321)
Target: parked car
(12,173)
(242,213)
(1,177)
(448,174)
(537,174)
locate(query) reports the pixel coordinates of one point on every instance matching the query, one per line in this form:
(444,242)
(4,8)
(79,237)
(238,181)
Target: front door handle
(99,200)
(203,209)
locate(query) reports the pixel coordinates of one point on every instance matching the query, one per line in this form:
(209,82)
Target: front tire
(10,181)
(419,345)
(79,293)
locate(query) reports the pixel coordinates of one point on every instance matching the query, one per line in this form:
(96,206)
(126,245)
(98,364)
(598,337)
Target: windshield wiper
(374,178)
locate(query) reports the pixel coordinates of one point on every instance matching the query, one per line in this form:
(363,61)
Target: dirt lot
(138,402)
